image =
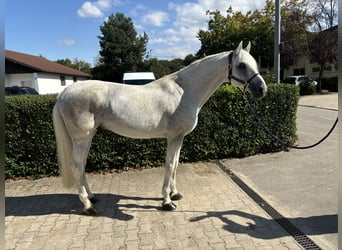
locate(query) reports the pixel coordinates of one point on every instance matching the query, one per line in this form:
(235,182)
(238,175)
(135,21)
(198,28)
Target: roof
(41,64)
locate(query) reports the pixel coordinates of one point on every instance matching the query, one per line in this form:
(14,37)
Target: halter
(230,74)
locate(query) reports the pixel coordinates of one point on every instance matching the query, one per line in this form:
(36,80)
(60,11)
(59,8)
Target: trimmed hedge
(330,84)
(306,88)
(225,129)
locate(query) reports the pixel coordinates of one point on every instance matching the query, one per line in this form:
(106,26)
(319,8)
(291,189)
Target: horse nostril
(261,90)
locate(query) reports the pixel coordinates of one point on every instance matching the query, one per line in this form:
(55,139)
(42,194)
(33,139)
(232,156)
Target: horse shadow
(119,207)
(108,205)
(257,226)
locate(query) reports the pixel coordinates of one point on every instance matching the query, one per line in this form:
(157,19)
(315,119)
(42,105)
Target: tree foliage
(324,14)
(190,58)
(225,32)
(157,67)
(121,48)
(294,24)
(323,49)
(76,64)
(322,43)
(161,68)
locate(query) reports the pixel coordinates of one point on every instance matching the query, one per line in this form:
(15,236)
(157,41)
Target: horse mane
(202,60)
(198,63)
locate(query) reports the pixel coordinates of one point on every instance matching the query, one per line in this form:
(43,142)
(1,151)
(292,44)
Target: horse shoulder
(182,112)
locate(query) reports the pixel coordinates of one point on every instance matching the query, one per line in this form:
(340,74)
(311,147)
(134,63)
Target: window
(62,80)
(25,83)
(316,69)
(327,68)
(300,71)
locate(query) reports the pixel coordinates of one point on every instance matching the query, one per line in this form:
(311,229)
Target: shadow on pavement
(108,205)
(257,226)
(114,207)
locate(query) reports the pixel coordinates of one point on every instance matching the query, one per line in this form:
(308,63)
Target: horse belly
(137,128)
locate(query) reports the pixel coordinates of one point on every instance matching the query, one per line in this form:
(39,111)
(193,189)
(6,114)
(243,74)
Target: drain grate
(297,234)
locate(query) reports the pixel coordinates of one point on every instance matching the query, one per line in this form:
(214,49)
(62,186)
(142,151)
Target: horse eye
(242,65)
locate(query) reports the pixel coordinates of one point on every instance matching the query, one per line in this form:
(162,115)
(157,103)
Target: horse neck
(201,79)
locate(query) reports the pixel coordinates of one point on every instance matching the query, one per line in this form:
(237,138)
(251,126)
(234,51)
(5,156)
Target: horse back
(148,111)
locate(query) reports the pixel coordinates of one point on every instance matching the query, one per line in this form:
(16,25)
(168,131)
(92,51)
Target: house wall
(52,83)
(44,83)
(304,67)
(21,80)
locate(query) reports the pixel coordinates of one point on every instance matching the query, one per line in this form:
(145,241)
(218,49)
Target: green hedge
(306,88)
(330,84)
(225,129)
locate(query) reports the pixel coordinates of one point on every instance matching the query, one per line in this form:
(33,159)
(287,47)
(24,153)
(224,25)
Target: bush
(307,88)
(30,142)
(225,129)
(330,84)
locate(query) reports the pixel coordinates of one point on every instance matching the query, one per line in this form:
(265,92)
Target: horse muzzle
(257,87)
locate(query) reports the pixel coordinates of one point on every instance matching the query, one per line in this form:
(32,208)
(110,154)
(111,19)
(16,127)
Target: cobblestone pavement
(214,214)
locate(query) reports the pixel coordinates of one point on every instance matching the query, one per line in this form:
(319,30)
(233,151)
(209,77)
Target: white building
(36,72)
(305,67)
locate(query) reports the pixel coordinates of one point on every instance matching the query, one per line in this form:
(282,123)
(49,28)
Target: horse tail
(64,148)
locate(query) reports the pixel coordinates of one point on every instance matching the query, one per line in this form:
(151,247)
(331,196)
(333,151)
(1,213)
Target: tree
(66,62)
(323,49)
(161,68)
(156,66)
(324,14)
(294,25)
(121,48)
(322,43)
(190,58)
(76,64)
(225,33)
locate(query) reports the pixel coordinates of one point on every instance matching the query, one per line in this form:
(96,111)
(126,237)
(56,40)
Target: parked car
(297,80)
(138,78)
(20,91)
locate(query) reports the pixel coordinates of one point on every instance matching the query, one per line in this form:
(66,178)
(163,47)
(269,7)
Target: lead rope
(276,138)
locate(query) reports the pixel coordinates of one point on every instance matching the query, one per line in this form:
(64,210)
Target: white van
(138,78)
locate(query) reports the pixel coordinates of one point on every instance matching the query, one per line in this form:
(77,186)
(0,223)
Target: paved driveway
(214,214)
(302,184)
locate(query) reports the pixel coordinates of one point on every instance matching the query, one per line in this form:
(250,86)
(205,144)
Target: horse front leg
(169,189)
(175,195)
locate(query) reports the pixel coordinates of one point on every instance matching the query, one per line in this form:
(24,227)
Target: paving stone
(214,214)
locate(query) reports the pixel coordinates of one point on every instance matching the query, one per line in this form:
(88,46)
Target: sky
(69,28)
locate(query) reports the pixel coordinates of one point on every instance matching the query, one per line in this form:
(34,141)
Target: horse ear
(238,49)
(248,47)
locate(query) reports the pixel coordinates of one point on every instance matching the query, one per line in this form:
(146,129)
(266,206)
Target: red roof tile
(41,64)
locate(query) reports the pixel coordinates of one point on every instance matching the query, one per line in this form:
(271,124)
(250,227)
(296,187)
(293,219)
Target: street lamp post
(277,42)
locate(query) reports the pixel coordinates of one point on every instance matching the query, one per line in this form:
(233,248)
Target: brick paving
(214,214)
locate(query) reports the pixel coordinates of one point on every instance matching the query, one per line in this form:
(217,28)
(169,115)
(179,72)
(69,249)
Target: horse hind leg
(80,152)
(90,194)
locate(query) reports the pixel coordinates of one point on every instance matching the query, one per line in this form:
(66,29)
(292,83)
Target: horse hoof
(169,207)
(94,200)
(90,211)
(176,197)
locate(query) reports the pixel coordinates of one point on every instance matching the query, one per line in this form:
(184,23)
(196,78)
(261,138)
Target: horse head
(243,71)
